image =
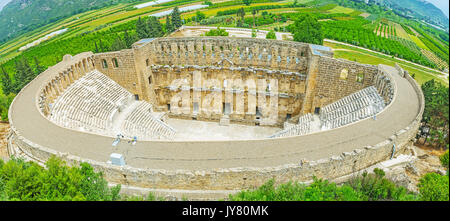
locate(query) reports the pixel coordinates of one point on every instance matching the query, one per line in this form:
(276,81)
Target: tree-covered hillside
(21,16)
(419,9)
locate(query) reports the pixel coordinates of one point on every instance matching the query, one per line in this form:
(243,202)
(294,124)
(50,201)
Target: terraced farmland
(435,59)
(106,19)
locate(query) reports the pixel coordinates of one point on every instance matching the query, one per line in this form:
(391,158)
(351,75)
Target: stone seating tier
(357,106)
(89,103)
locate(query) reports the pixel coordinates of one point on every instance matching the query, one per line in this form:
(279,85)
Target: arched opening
(105,64)
(360,77)
(115,63)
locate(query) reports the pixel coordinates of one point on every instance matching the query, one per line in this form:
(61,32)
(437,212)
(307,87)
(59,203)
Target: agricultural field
(338,23)
(340,9)
(432,57)
(355,54)
(418,42)
(413,40)
(400,32)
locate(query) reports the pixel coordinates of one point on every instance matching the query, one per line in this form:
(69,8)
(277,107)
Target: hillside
(21,16)
(419,9)
(3,3)
(364,25)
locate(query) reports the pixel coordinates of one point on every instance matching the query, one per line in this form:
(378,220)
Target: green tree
(199,16)
(24,74)
(141,29)
(169,26)
(217,32)
(271,35)
(96,47)
(154,27)
(247,2)
(118,44)
(444,159)
(436,111)
(434,187)
(37,66)
(176,18)
(5,102)
(7,84)
(102,46)
(128,39)
(254,12)
(240,14)
(20,180)
(307,29)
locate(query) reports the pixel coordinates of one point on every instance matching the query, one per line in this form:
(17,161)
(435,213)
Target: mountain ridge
(20,16)
(420,9)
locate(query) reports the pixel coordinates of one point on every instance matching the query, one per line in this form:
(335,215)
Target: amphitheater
(207,116)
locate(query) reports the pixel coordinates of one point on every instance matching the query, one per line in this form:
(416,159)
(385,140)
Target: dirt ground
(427,162)
(4,131)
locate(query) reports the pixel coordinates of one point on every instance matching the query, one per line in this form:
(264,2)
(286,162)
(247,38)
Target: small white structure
(151,3)
(45,38)
(117,159)
(182,9)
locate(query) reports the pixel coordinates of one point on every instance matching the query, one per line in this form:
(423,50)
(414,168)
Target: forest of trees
(24,73)
(27,181)
(436,113)
(18,72)
(307,29)
(60,182)
(352,32)
(365,187)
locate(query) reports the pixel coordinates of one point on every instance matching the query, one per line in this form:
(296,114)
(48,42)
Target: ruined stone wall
(120,66)
(338,78)
(235,91)
(242,52)
(219,59)
(384,85)
(237,178)
(60,76)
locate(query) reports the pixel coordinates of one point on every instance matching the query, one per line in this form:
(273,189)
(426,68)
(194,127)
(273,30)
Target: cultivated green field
(335,18)
(355,54)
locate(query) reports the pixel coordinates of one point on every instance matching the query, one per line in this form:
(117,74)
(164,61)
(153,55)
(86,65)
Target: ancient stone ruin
(279,109)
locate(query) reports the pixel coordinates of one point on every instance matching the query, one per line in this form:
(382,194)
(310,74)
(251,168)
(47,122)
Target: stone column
(313,71)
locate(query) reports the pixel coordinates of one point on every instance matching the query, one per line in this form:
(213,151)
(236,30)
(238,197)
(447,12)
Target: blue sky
(441,4)
(3,3)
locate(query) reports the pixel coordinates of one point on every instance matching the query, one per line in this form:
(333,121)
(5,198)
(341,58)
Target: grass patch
(418,42)
(340,9)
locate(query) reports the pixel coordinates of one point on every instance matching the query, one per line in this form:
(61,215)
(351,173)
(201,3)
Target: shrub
(319,190)
(216,32)
(271,35)
(361,188)
(434,187)
(20,180)
(5,102)
(444,159)
(376,187)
